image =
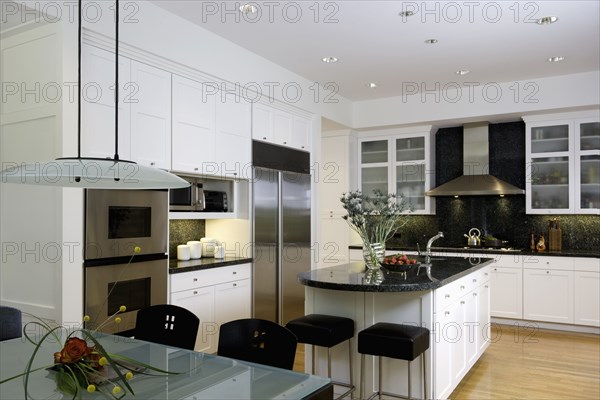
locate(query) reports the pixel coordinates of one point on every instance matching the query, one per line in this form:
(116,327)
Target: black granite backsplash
(183,230)
(502,217)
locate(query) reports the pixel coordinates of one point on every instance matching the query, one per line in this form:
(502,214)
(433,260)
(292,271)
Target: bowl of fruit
(398,262)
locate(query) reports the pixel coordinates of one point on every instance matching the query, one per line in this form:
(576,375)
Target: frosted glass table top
(203,376)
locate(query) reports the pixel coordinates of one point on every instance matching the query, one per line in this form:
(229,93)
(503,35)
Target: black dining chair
(11,325)
(167,324)
(259,341)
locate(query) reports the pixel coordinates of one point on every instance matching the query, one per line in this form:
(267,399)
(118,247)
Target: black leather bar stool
(325,331)
(404,342)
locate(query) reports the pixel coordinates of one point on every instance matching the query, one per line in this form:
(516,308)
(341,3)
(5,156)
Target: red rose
(75,349)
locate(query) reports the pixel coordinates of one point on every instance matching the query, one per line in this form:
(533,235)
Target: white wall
(490,101)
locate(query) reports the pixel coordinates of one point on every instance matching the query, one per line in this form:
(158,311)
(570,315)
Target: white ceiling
(497,41)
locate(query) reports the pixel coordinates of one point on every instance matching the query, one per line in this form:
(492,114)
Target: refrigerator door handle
(279,247)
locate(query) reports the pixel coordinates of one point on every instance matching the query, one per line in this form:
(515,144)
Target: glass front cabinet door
(399,163)
(563,158)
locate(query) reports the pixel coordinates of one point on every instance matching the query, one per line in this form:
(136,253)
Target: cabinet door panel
(507,293)
(193,137)
(98,104)
(201,302)
(262,122)
(548,295)
(587,298)
(282,128)
(232,301)
(151,116)
(301,133)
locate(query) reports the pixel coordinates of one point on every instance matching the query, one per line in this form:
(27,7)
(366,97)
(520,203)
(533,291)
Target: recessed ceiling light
(406,13)
(547,20)
(556,59)
(431,41)
(372,85)
(248,9)
(462,72)
(330,60)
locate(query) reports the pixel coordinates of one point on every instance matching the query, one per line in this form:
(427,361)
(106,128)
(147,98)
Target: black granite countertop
(483,250)
(352,277)
(176,266)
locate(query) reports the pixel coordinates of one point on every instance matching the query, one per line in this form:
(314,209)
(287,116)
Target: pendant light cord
(116,80)
(79,89)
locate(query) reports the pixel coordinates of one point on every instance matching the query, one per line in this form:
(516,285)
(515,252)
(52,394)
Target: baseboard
(526,324)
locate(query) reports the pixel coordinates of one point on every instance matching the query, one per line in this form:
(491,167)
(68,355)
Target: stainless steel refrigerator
(281,202)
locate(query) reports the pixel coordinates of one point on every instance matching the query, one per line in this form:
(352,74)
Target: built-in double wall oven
(116,222)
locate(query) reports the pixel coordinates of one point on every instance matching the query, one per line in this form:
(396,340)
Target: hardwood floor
(527,363)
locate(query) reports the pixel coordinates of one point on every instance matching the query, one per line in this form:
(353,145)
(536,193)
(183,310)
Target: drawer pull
(474,280)
(547,272)
(196,169)
(486,286)
(195,279)
(447,313)
(462,287)
(486,274)
(234,272)
(462,302)
(235,284)
(152,163)
(447,296)
(195,292)
(474,294)
(495,269)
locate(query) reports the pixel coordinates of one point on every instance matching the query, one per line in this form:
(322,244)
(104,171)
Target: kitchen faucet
(430,242)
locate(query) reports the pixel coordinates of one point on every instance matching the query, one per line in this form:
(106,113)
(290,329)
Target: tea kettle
(473,238)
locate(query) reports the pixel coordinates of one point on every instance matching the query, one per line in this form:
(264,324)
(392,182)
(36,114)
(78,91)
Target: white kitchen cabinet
(216,296)
(270,124)
(563,163)
(233,151)
(200,301)
(548,295)
(507,290)
(586,281)
(334,242)
(233,301)
(98,104)
(462,323)
(400,162)
(193,136)
(151,116)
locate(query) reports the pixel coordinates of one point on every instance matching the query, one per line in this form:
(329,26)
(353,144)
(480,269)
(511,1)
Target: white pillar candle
(195,249)
(183,252)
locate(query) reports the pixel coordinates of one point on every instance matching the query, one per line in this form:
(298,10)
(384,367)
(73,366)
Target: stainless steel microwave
(190,198)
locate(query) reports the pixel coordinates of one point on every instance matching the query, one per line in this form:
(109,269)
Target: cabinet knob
(495,269)
(195,279)
(462,302)
(486,286)
(547,262)
(447,296)
(462,287)
(474,294)
(547,272)
(235,284)
(264,138)
(195,292)
(195,169)
(302,146)
(234,272)
(447,313)
(152,163)
(284,142)
(486,274)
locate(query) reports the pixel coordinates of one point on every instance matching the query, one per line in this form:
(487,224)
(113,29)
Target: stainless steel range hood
(475,180)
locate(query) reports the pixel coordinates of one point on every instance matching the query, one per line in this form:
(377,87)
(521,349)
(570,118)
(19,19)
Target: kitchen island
(448,296)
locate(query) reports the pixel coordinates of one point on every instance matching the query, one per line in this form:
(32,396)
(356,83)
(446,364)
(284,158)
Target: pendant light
(88,172)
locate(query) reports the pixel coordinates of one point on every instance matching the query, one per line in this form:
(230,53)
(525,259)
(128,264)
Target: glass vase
(373,254)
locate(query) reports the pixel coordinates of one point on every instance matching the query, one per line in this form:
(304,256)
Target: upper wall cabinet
(98,104)
(151,116)
(211,131)
(563,164)
(400,162)
(280,127)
